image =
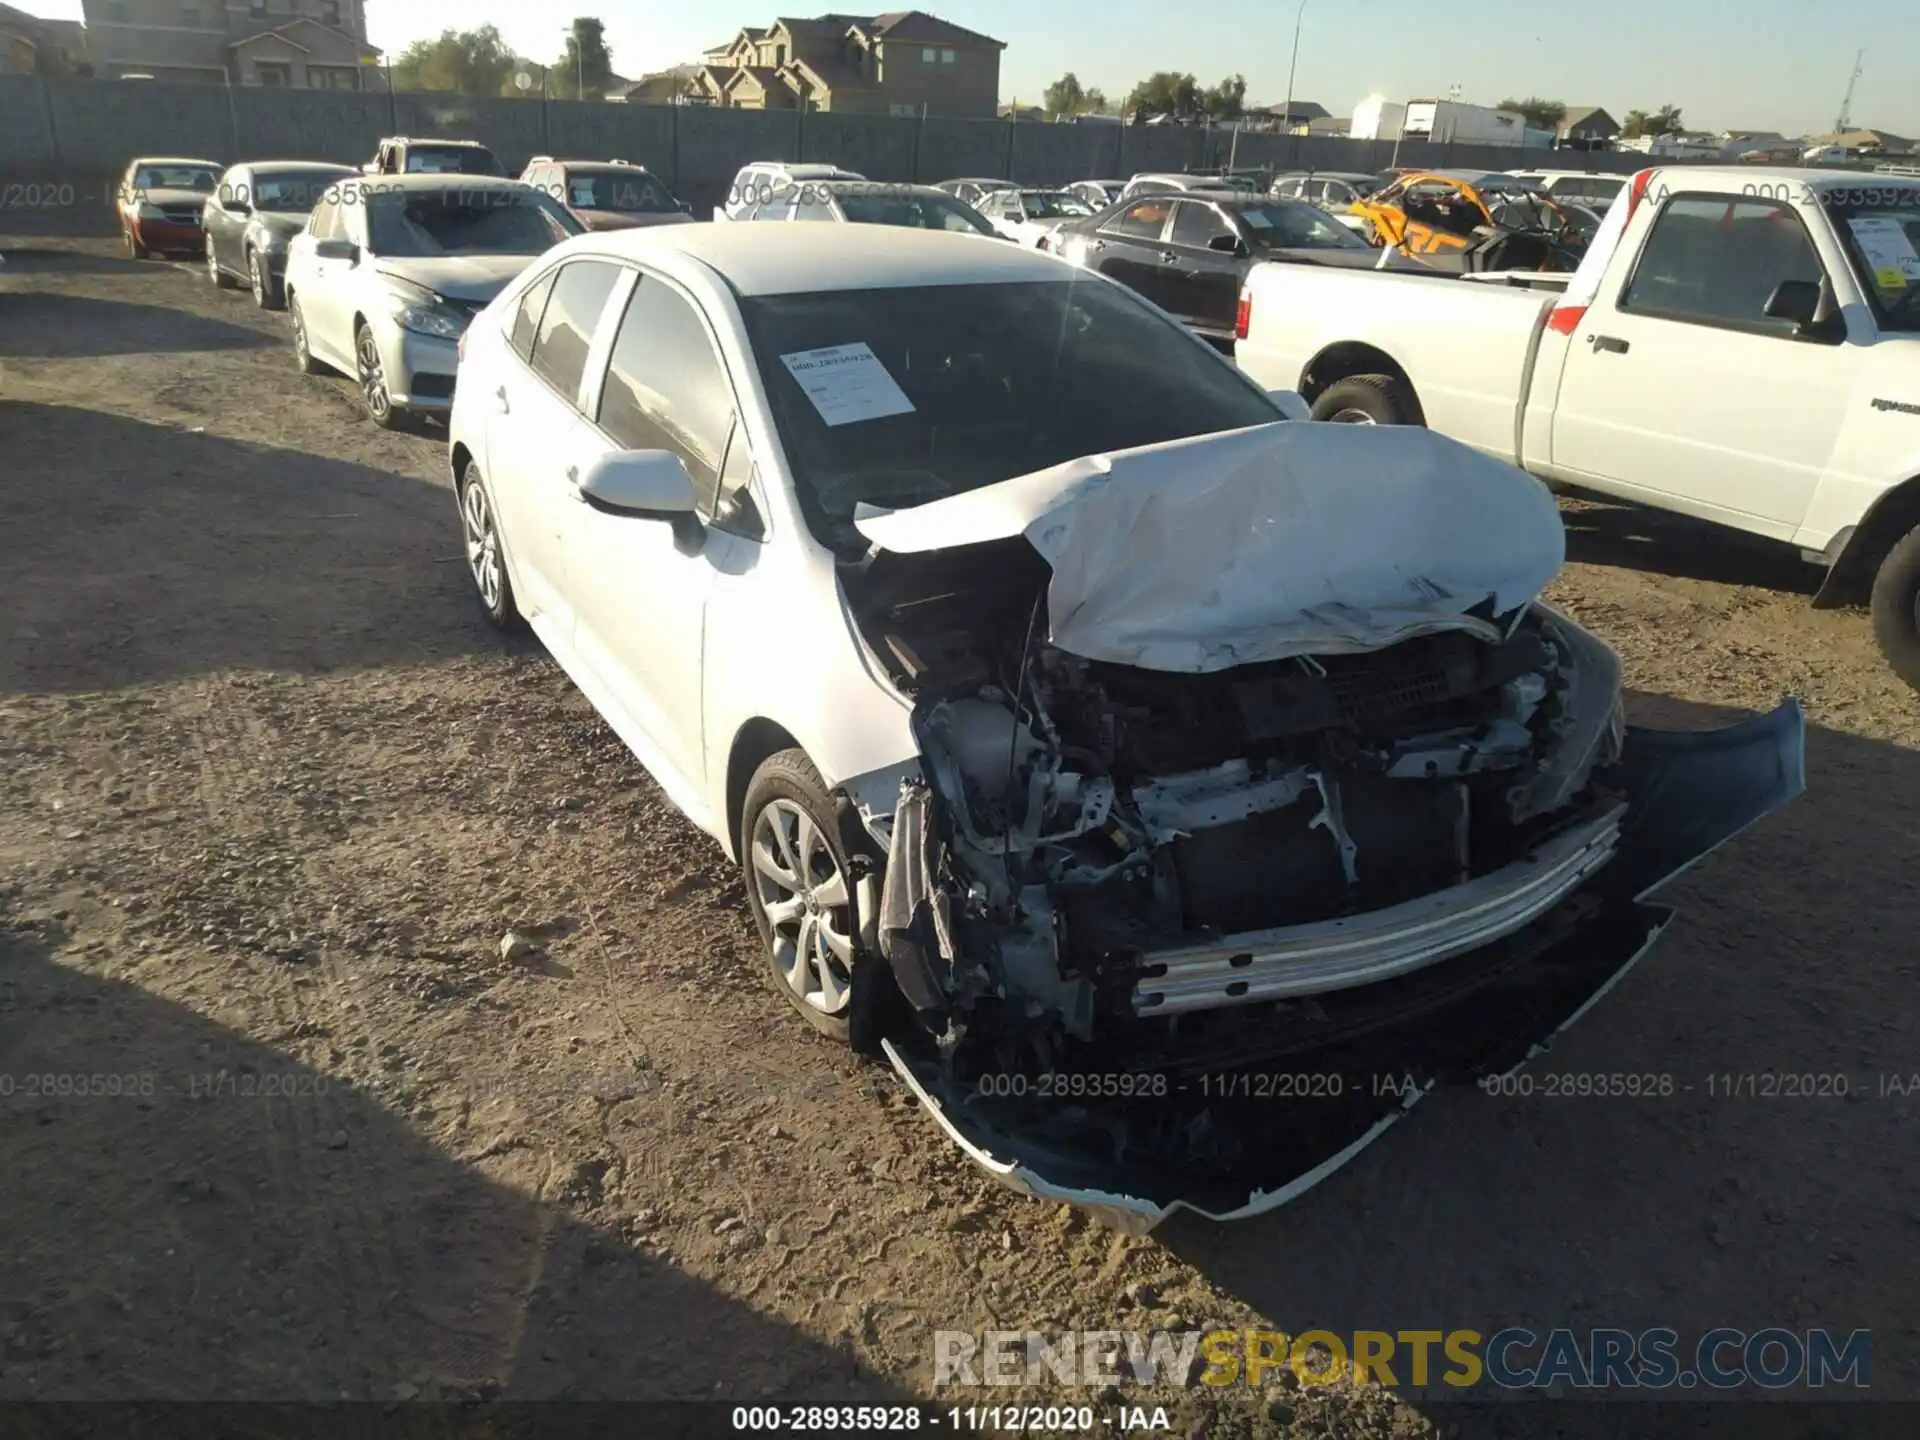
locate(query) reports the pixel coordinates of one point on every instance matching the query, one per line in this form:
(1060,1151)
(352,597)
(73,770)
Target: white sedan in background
(1031,216)
(390,269)
(1072,711)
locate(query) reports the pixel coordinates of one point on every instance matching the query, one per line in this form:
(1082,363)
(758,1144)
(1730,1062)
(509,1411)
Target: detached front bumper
(1256,1106)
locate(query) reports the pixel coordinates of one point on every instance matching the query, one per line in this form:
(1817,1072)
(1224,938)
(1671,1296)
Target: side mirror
(685,208)
(1795,300)
(336,250)
(1226,244)
(645,485)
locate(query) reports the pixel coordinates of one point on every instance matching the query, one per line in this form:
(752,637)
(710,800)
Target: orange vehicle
(1476,220)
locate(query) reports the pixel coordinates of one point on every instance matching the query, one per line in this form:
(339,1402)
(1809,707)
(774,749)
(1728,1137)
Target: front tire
(1368,400)
(797,843)
(371,371)
(1895,606)
(486,562)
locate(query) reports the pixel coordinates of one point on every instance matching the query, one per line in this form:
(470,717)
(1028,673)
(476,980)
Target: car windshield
(626,192)
(293,192)
(916,212)
(451,160)
(1051,205)
(943,389)
(412,225)
(174,177)
(1280,226)
(1883,241)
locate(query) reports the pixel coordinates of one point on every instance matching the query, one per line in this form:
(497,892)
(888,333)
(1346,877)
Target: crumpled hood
(1255,545)
(460,277)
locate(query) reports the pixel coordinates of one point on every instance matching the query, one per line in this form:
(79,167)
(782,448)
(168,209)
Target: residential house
(1864,142)
(662,87)
(1329,127)
(1586,127)
(1023,112)
(1289,117)
(903,63)
(306,44)
(30,45)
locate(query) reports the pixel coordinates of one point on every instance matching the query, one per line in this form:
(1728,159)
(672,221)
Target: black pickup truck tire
(1368,400)
(1895,605)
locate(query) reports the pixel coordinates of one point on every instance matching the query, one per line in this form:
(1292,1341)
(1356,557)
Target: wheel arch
(753,742)
(1858,550)
(1345,360)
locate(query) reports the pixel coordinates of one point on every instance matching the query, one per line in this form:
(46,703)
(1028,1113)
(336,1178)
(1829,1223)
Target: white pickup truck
(1738,345)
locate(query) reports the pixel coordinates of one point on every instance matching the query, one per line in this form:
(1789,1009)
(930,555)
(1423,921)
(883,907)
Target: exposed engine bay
(1088,828)
(1219,765)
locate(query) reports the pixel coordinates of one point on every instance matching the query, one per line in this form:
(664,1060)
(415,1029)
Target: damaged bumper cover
(1368,1014)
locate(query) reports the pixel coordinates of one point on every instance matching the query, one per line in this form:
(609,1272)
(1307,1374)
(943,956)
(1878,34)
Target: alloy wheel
(213,263)
(483,545)
(804,896)
(1351,416)
(300,350)
(373,376)
(259,280)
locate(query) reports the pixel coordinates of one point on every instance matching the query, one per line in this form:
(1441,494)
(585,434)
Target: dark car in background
(1334,191)
(607,194)
(252,214)
(1187,252)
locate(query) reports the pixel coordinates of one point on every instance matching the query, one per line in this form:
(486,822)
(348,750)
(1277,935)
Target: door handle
(1169,257)
(1613,344)
(500,401)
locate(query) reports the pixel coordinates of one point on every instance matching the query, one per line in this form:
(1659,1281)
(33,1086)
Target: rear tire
(266,289)
(1368,400)
(486,560)
(810,952)
(1895,605)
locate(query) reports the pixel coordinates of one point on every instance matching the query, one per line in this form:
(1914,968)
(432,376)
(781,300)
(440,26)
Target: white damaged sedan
(1115,753)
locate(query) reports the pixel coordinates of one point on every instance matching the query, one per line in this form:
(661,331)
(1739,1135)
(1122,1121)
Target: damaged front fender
(1255,1107)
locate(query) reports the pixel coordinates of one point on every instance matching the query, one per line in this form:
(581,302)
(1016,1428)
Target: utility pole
(1292,67)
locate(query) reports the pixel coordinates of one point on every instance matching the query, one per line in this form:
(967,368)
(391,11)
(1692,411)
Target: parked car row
(935,580)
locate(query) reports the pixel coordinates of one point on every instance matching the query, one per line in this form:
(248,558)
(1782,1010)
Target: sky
(1758,64)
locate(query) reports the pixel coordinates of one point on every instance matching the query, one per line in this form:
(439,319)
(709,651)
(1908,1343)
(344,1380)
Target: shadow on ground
(194,553)
(1728,1202)
(311,1246)
(1658,542)
(26,260)
(74,327)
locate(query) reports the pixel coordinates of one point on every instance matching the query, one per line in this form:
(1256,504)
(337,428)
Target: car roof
(434,140)
(890,187)
(803,172)
(174,160)
(624,166)
(790,259)
(293,165)
(1327,175)
(438,180)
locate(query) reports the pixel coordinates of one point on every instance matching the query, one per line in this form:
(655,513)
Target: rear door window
(1143,220)
(565,333)
(1195,224)
(666,387)
(526,318)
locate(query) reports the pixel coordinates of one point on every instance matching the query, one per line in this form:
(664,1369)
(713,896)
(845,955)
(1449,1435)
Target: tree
(1166,92)
(586,70)
(1065,96)
(1541,114)
(1096,102)
(1228,99)
(468,62)
(1664,121)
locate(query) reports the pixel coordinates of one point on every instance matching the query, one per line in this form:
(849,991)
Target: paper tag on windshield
(1256,219)
(847,383)
(1888,250)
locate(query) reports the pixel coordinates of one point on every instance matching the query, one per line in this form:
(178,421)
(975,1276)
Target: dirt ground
(270,795)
